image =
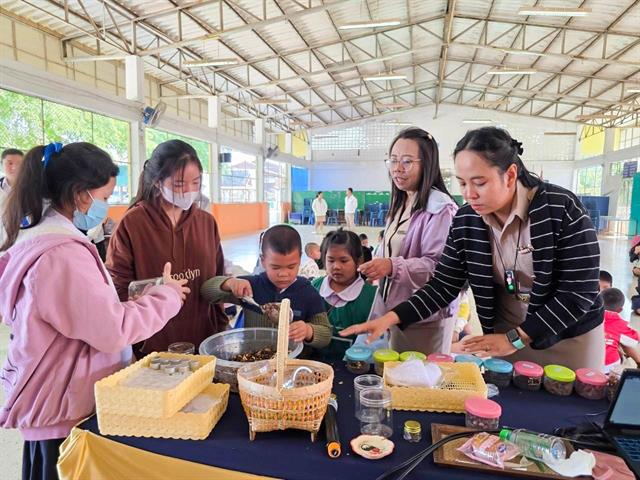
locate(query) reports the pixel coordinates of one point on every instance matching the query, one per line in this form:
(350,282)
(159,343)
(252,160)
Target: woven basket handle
(283,341)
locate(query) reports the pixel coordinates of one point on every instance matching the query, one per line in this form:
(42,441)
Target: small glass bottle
(537,446)
(412,431)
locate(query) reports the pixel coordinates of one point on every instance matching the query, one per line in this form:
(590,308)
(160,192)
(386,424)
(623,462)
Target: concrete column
(134,78)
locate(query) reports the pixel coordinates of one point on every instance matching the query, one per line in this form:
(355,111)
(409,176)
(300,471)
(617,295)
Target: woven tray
(461,381)
(111,397)
(185,426)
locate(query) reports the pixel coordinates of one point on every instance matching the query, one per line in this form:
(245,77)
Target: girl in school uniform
(68,327)
(347,297)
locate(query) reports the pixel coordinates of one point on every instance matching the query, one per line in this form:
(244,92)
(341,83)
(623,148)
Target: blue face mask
(96,214)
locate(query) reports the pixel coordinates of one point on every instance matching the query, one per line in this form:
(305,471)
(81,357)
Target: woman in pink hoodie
(68,327)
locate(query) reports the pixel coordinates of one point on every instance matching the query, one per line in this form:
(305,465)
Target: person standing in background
(350,207)
(319,207)
(11,163)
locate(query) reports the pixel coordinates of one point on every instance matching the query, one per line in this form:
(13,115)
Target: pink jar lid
(440,357)
(528,369)
(482,407)
(591,377)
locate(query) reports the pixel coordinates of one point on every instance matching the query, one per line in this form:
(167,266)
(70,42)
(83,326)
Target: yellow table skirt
(87,456)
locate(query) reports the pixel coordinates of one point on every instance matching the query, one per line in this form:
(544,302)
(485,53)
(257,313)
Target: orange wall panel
(239,218)
(116,212)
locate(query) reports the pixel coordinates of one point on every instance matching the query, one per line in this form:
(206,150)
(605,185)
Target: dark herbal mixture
(265,353)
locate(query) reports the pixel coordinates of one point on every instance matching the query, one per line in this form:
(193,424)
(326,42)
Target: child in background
(606,280)
(310,268)
(617,332)
(379,245)
(367,254)
(281,252)
(68,327)
(348,298)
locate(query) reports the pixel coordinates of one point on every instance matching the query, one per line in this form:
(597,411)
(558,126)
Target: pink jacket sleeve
(416,271)
(74,297)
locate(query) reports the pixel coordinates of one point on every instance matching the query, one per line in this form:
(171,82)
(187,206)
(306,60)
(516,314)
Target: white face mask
(182,200)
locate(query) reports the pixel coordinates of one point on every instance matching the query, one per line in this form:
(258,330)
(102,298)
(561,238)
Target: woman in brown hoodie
(165,224)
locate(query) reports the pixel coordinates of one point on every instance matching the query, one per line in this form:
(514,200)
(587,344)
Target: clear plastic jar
(482,414)
(361,383)
(376,414)
(382,356)
(498,372)
(527,376)
(404,356)
(357,358)
(558,380)
(613,381)
(137,287)
(440,358)
(591,384)
(182,347)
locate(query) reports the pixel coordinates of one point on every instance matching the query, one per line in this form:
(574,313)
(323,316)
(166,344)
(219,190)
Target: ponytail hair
(497,147)
(66,171)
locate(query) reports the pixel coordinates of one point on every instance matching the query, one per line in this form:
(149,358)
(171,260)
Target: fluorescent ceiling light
(375,78)
(400,124)
(217,62)
(370,24)
(240,119)
(633,90)
(185,96)
(511,71)
(561,133)
(554,12)
(513,51)
(479,121)
(271,101)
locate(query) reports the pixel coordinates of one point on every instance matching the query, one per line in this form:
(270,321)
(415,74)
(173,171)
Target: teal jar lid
(358,353)
(469,359)
(497,365)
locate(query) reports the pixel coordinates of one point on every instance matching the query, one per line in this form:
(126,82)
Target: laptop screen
(625,411)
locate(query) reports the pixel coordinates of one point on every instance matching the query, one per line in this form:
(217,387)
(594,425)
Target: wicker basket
(182,425)
(112,397)
(461,381)
(272,407)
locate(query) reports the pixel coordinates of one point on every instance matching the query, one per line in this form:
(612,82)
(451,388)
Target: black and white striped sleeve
(445,285)
(575,278)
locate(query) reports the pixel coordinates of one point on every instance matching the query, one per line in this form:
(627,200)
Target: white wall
(553,155)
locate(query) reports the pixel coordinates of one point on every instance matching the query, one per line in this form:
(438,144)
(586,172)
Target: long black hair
(498,148)
(431,176)
(75,168)
(342,238)
(167,159)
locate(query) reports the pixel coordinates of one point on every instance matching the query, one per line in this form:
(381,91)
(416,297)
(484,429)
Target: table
(290,454)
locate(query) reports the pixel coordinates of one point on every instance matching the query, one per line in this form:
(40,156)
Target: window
(28,121)
(275,187)
(155,137)
(590,181)
(615,168)
(238,178)
(368,136)
(626,138)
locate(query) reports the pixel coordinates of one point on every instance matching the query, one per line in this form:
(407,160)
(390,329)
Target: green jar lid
(559,373)
(404,356)
(385,355)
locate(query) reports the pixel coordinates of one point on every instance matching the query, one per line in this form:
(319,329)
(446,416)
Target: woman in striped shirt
(530,254)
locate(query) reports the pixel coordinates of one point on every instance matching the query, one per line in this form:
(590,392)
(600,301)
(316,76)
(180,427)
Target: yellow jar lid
(385,355)
(411,426)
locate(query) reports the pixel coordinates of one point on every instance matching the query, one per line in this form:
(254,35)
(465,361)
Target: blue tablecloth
(291,455)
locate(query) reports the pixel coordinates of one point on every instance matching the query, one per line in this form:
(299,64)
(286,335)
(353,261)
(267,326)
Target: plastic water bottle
(537,446)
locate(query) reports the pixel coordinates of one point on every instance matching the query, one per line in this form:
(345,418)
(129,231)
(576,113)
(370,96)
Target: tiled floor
(243,252)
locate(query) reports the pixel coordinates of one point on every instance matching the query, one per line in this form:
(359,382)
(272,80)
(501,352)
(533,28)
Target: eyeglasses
(405,163)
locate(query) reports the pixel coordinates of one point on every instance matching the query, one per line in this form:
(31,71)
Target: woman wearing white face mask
(165,224)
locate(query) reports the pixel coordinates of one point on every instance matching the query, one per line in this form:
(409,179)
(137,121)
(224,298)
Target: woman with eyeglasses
(420,213)
(530,254)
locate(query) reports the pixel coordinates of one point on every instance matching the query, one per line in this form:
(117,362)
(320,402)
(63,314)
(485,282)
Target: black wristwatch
(514,337)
